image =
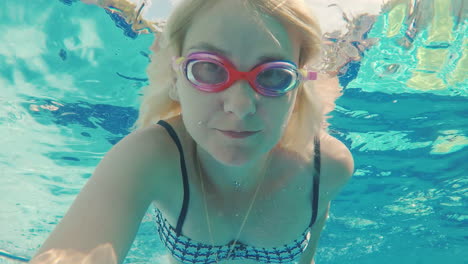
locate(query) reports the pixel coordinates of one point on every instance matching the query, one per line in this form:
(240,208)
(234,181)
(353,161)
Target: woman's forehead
(232,28)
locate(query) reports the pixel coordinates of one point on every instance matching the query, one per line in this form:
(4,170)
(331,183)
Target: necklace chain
(246,215)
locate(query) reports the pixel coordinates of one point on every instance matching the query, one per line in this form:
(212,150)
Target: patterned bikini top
(189,251)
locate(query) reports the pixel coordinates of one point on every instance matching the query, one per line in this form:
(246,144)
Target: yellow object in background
(449,141)
(396,19)
(438,17)
(430,62)
(459,74)
(441,29)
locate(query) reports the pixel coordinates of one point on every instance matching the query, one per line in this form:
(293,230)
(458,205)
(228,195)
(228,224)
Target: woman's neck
(227,179)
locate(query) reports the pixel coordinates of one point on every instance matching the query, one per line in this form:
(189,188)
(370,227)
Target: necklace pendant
(237,185)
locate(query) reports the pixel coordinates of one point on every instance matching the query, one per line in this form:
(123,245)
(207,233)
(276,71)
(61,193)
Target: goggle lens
(276,78)
(206,72)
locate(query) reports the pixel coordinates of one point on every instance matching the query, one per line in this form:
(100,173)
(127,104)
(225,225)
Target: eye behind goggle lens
(280,79)
(206,72)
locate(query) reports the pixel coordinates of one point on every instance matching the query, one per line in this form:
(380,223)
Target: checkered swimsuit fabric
(189,251)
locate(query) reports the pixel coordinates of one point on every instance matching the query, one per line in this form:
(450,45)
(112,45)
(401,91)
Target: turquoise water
(70,76)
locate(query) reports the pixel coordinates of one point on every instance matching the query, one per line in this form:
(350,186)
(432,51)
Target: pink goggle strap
(176,62)
(308,75)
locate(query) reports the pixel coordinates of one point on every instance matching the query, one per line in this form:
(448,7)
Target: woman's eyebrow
(211,47)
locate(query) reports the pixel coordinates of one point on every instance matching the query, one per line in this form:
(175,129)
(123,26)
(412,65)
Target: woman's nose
(240,99)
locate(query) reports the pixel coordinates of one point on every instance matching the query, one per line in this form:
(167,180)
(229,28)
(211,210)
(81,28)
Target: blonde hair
(307,117)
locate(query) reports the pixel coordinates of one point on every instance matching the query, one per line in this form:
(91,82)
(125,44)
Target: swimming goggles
(210,72)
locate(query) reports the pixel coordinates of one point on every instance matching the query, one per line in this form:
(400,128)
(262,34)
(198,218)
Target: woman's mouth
(233,134)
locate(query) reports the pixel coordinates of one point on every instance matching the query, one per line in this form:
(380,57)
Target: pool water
(71,74)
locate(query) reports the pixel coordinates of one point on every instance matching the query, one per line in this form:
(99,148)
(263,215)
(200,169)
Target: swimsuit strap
(183,212)
(315,192)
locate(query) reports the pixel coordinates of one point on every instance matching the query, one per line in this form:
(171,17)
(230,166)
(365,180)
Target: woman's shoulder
(335,152)
(337,164)
(152,141)
(151,147)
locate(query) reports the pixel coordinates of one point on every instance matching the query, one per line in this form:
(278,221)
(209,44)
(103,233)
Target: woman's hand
(103,254)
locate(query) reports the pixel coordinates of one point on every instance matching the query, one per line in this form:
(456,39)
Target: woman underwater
(229,146)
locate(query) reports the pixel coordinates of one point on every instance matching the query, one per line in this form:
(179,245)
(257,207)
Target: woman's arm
(110,207)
